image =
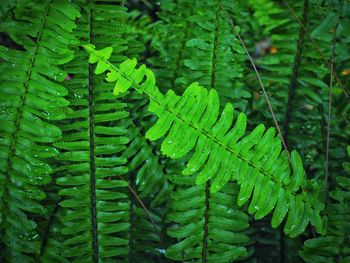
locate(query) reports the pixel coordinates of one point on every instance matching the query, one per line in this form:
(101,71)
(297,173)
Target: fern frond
(170,35)
(145,161)
(222,153)
(216,57)
(206,51)
(32,99)
(95,200)
(103,219)
(90,166)
(147,177)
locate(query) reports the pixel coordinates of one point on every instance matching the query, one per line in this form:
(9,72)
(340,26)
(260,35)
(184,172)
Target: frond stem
(131,185)
(341,249)
(207,186)
(48,229)
(179,57)
(295,74)
(215,47)
(92,146)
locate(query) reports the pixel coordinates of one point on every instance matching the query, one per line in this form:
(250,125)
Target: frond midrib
(92,147)
(215,47)
(295,75)
(47,230)
(180,56)
(207,184)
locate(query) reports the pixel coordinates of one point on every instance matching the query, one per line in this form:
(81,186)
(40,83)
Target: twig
(329,117)
(142,204)
(259,80)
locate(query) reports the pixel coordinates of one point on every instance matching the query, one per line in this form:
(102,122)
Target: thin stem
(259,80)
(142,204)
(329,120)
(207,186)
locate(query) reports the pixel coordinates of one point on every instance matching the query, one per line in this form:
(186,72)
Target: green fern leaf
(95,200)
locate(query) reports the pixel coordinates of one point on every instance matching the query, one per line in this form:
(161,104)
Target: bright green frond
(192,122)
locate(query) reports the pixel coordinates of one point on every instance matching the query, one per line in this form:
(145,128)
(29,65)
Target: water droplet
(161,251)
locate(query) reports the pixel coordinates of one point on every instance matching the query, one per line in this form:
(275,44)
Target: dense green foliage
(105,160)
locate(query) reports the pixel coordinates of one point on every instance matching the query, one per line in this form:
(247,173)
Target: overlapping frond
(148,178)
(103,219)
(95,199)
(31,99)
(145,158)
(206,51)
(215,57)
(170,35)
(222,151)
